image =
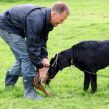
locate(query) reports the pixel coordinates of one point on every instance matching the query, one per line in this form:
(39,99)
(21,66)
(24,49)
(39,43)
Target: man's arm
(44,52)
(34,27)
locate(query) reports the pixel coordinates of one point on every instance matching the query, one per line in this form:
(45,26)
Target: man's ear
(53,13)
(53,16)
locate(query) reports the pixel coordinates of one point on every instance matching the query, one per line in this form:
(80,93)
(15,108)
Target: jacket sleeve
(44,52)
(34,27)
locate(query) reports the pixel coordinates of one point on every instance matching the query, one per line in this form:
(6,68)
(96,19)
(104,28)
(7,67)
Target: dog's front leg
(93,79)
(86,81)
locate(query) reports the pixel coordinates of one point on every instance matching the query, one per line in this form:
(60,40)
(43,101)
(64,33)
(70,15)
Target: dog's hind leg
(93,79)
(90,68)
(86,81)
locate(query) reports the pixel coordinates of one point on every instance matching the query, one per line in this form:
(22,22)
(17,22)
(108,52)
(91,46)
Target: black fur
(88,56)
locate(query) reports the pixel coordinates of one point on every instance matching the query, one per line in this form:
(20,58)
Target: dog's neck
(66,58)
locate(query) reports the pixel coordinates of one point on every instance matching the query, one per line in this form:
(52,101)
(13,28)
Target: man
(25,29)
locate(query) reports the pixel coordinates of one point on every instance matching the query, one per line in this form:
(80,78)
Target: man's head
(59,12)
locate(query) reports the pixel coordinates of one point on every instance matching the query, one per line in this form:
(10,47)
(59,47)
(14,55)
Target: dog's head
(58,62)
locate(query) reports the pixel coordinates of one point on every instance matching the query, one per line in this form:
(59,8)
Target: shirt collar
(48,17)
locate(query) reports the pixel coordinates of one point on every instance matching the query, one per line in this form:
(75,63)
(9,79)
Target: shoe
(10,80)
(29,92)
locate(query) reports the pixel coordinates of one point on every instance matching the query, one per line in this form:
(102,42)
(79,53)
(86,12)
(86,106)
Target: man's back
(14,19)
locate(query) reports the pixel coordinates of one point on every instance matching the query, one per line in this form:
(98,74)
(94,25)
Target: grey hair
(60,7)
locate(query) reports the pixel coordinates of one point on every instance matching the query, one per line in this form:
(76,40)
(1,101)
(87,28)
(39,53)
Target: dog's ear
(53,70)
(53,59)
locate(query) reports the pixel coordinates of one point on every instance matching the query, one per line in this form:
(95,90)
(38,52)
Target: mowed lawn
(88,20)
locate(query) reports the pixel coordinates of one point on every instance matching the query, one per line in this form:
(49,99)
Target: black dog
(88,56)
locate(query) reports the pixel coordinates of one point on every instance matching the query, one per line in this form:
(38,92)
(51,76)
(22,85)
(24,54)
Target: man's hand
(43,71)
(45,62)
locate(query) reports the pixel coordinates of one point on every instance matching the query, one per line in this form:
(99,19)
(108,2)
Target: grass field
(89,20)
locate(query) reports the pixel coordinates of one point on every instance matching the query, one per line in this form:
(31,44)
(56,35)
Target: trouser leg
(13,74)
(18,45)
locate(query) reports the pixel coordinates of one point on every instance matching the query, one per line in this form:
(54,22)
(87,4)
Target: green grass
(89,20)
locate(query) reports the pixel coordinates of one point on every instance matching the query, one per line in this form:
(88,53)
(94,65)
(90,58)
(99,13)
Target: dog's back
(91,53)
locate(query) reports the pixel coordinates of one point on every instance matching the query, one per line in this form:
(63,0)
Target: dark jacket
(32,22)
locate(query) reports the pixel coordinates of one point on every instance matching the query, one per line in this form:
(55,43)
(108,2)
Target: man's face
(57,18)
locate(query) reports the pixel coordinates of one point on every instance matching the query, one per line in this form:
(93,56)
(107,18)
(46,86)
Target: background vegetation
(89,20)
